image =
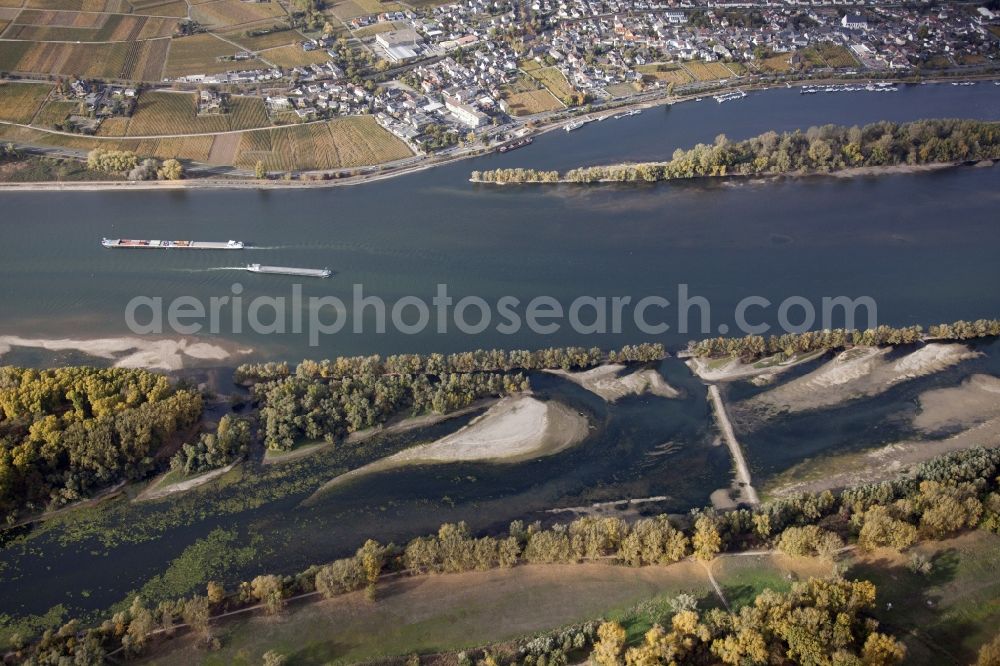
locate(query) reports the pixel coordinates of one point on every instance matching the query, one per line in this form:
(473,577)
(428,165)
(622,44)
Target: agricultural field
(199,54)
(101,6)
(836,56)
(51,26)
(225,13)
(20,101)
(665,73)
(342,143)
(176,113)
(553,79)
(293,56)
(105,61)
(707,71)
(3,25)
(271,40)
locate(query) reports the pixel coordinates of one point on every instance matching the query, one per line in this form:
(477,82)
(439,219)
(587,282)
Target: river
(923,246)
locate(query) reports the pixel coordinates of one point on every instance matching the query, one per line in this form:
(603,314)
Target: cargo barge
(168,244)
(526,141)
(286,270)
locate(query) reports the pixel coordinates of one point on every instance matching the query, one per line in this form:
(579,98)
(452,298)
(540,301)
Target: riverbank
(378,172)
(133,352)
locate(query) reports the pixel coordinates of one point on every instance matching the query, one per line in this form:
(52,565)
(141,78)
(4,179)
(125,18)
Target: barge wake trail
(739,462)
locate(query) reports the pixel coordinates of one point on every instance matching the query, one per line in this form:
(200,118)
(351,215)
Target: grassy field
(530,102)
(20,101)
(342,143)
(526,96)
(349,9)
(553,79)
(779,62)
(293,56)
(52,113)
(199,54)
(943,617)
(450,612)
(707,71)
(268,41)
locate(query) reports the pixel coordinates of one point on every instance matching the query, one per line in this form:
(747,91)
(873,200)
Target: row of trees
(126,162)
(819,149)
(68,431)
(755,347)
(818,621)
(300,408)
(491,360)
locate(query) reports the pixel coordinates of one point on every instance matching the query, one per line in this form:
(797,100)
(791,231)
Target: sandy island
(858,372)
(975,401)
(731,368)
(395,426)
(605,381)
(130,352)
(515,429)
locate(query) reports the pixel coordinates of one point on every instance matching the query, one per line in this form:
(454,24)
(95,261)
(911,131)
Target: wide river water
(923,246)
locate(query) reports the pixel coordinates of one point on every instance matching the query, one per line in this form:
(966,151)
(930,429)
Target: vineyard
(20,101)
(224,13)
(342,143)
(81,60)
(707,71)
(176,113)
(108,6)
(666,73)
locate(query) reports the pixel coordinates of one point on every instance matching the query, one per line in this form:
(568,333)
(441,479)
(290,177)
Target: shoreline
(851,172)
(432,161)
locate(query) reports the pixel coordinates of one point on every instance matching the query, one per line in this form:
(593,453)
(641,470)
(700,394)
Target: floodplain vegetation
(820,620)
(823,149)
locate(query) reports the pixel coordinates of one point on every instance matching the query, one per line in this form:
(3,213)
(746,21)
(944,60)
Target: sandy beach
(607,382)
(974,401)
(855,373)
(515,429)
(130,352)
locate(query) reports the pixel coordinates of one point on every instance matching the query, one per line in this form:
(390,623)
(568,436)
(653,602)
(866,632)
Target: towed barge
(170,244)
(287,270)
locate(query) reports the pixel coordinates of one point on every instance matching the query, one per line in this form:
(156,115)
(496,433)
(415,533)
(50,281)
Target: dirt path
(739,462)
